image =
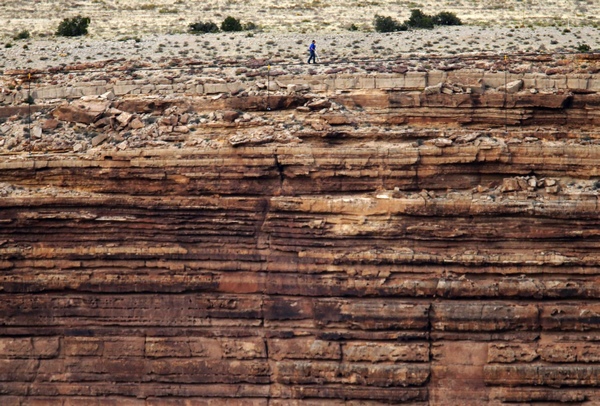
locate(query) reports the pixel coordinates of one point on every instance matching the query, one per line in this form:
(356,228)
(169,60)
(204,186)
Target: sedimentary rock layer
(379,258)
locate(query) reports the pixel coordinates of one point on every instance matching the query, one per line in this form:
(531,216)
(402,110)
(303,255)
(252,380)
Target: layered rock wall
(426,249)
(191,82)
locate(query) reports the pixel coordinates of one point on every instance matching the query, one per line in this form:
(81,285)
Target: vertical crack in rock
(280,171)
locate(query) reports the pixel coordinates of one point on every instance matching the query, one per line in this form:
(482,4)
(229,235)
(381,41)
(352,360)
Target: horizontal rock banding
(376,245)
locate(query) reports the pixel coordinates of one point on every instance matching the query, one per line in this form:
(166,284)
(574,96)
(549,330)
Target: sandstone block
(371,314)
(538,395)
(389,82)
(49,93)
(434,89)
(415,80)
(16,348)
(136,123)
(230,115)
(539,374)
(124,118)
(195,371)
(181,129)
(564,352)
(366,82)
(385,352)
(297,87)
(319,104)
(120,90)
(49,124)
(123,347)
(509,353)
(570,316)
(484,317)
(15,370)
(214,88)
(512,87)
(336,119)
(379,375)
(99,139)
(172,347)
(82,346)
(304,348)
(81,112)
(243,348)
(344,83)
(434,77)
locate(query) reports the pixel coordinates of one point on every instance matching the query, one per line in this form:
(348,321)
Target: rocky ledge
(427,238)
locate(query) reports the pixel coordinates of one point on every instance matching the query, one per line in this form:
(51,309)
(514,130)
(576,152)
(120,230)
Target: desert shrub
(583,48)
(231,24)
(73,27)
(418,19)
(250,26)
(203,28)
(22,35)
(446,18)
(353,27)
(387,24)
(166,10)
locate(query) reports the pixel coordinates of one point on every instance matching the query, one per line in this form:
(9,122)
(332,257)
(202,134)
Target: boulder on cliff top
(511,87)
(85,112)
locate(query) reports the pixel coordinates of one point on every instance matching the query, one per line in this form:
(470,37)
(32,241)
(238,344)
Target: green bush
(22,35)
(584,48)
(446,18)
(387,24)
(203,28)
(73,27)
(231,24)
(418,19)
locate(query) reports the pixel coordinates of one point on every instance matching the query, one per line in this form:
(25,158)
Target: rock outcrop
(367,246)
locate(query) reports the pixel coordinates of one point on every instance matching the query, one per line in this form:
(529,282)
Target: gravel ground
(292,48)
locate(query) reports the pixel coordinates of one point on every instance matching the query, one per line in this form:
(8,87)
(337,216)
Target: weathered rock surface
(365,247)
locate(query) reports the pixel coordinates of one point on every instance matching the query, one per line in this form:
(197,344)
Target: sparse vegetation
(231,24)
(22,35)
(417,19)
(166,10)
(388,24)
(446,18)
(73,27)
(584,48)
(203,28)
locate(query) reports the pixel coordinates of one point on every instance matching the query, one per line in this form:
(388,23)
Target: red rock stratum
(366,237)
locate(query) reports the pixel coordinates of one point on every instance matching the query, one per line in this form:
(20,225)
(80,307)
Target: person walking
(312,49)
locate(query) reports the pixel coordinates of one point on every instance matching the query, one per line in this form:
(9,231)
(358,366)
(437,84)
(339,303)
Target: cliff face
(425,245)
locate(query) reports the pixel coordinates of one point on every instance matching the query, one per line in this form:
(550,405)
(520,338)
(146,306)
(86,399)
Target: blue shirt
(312,47)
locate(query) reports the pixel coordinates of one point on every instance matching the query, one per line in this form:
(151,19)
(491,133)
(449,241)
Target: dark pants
(312,57)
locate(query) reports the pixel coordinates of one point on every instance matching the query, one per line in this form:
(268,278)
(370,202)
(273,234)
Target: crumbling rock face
(368,247)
